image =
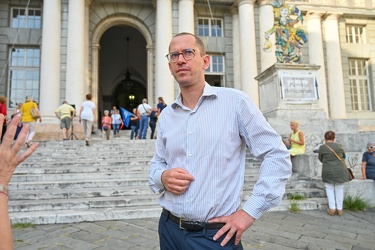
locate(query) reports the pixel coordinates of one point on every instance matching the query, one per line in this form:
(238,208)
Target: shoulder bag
(35,113)
(350,173)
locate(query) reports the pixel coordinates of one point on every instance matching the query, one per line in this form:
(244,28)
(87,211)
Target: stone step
(82,215)
(306,192)
(77,176)
(81,204)
(81,169)
(72,184)
(303,205)
(78,193)
(89,162)
(117,142)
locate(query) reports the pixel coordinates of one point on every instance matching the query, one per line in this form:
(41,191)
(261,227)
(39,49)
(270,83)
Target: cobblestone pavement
(275,230)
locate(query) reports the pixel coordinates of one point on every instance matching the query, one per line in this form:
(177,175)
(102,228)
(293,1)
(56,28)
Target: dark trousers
(19,127)
(152,126)
(171,237)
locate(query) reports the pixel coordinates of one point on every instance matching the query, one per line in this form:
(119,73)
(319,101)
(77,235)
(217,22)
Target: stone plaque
(298,85)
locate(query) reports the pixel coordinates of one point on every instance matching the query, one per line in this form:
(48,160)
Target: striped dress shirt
(210,143)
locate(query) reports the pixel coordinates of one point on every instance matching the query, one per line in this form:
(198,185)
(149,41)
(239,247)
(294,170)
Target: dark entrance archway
(123,68)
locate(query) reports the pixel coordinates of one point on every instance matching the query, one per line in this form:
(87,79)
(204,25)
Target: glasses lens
(173,56)
(188,54)
(371,147)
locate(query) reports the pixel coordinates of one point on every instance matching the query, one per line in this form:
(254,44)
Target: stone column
(334,68)
(50,60)
(87,84)
(248,49)
(150,70)
(95,73)
(186,16)
(75,68)
(316,55)
(236,49)
(266,21)
(164,83)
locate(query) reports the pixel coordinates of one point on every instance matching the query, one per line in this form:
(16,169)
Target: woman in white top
(88,117)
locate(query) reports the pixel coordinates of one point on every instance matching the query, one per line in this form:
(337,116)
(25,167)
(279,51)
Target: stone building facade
(60,50)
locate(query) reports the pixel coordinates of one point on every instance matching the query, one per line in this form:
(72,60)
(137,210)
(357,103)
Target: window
(26,18)
(216,64)
(359,85)
(23,75)
(355,34)
(210,27)
(216,71)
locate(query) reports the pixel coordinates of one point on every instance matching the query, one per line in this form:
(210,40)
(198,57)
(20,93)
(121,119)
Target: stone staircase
(65,182)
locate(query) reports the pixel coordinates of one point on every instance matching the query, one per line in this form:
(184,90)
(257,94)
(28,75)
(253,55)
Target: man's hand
(235,224)
(176,180)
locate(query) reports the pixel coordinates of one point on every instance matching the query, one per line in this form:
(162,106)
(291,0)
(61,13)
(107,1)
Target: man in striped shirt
(199,162)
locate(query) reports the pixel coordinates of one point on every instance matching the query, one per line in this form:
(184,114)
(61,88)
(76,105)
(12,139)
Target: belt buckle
(180,224)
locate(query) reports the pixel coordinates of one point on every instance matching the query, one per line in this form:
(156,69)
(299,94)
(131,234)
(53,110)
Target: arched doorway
(122,68)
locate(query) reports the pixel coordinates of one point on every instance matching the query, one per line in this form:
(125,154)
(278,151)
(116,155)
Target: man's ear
(206,61)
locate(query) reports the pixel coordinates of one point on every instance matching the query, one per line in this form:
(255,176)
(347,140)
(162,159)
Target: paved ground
(275,230)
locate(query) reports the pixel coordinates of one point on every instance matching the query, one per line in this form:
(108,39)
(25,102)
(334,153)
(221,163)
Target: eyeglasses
(188,54)
(370,147)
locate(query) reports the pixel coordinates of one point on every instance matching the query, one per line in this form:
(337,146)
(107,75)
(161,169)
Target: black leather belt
(191,225)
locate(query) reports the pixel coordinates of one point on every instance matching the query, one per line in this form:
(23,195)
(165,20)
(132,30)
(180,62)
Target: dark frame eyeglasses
(371,147)
(188,54)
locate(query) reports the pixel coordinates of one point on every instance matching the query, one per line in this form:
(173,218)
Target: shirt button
(190,155)
(190,132)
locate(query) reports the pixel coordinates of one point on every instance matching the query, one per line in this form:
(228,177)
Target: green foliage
(294,207)
(355,203)
(22,225)
(296,197)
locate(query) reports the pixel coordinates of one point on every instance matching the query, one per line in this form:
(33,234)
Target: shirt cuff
(256,206)
(157,186)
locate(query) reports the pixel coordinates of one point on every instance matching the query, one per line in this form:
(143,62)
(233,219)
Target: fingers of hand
(177,186)
(180,173)
(27,153)
(230,232)
(223,230)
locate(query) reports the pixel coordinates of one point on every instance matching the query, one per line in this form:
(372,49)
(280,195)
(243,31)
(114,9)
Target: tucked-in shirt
(25,109)
(65,111)
(210,143)
(87,112)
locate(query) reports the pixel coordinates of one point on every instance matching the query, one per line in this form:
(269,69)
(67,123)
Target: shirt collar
(207,91)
